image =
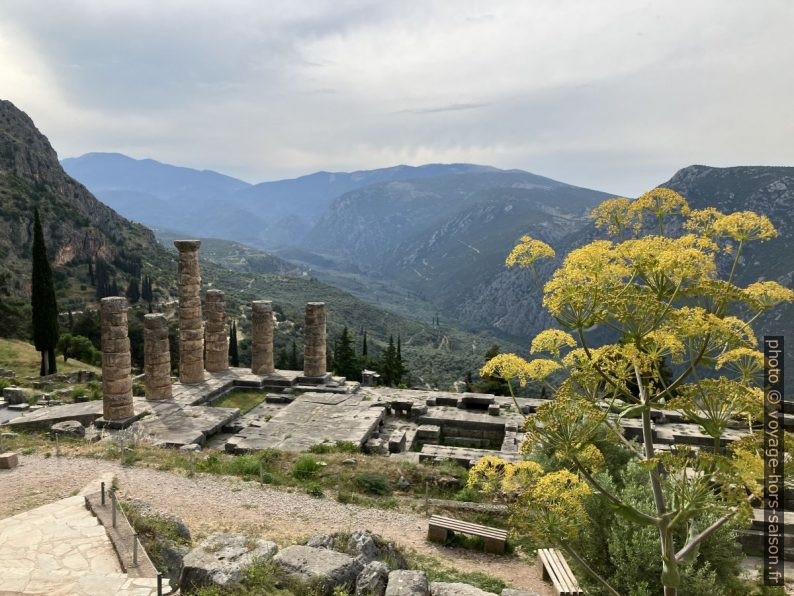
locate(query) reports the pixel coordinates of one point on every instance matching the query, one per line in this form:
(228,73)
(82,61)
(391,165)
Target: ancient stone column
(262,337)
(216,335)
(116,362)
(191,326)
(314,340)
(156,357)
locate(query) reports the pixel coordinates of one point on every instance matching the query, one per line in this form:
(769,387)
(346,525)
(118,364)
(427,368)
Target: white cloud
(608,94)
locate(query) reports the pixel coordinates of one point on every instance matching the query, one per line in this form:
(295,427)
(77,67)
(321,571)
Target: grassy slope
(23,359)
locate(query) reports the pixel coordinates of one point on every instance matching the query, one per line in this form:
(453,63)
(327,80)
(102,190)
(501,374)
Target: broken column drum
(314,340)
(262,337)
(156,357)
(191,326)
(216,335)
(116,362)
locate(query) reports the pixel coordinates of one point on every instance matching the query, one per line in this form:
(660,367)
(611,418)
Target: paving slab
(171,424)
(43,419)
(310,420)
(61,549)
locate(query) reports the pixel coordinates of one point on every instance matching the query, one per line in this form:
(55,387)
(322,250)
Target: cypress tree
(364,347)
(45,308)
(234,353)
(388,364)
(293,360)
(345,363)
(399,366)
(133,291)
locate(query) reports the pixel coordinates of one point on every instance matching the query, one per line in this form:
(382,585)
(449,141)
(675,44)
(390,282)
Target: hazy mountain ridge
(208,204)
(79,228)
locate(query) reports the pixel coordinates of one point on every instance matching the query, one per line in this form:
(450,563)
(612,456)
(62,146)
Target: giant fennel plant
(662,300)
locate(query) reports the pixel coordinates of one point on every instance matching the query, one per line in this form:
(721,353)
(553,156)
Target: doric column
(216,335)
(314,340)
(262,337)
(156,357)
(191,326)
(116,362)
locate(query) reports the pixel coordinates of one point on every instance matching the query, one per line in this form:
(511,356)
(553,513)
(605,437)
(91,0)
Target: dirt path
(210,504)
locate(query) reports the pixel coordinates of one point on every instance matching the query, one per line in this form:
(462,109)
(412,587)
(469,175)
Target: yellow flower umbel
(527,251)
(660,202)
(552,341)
(768,294)
(616,215)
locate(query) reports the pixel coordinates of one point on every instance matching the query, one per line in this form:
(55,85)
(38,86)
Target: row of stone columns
(195,338)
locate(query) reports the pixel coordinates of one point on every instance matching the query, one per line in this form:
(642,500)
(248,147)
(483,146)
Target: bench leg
(494,546)
(437,534)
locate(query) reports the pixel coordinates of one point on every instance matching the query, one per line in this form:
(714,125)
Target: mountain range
(80,230)
(431,240)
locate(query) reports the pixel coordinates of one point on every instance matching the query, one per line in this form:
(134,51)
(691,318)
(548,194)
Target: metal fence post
(134,550)
(57,446)
(103,494)
(159,584)
(113,504)
(427,497)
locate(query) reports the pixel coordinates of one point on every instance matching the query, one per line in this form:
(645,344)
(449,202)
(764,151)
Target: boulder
(171,555)
(320,567)
(456,589)
(407,583)
(68,428)
(362,545)
(15,395)
(372,579)
(321,541)
(221,559)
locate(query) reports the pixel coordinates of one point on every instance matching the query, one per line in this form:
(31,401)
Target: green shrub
(468,494)
(5,383)
(321,449)
(305,467)
(374,484)
(315,490)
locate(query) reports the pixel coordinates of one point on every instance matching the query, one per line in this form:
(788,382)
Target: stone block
(8,460)
(397,441)
(456,589)
(220,560)
(326,567)
(403,582)
(428,433)
(494,410)
(68,428)
(373,579)
(15,395)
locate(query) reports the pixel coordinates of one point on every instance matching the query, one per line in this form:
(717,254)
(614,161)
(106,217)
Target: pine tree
(345,362)
(45,308)
(71,321)
(234,353)
(91,272)
(364,353)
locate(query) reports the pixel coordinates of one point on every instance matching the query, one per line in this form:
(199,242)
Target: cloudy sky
(613,94)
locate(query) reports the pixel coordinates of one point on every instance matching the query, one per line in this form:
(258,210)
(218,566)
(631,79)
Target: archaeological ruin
(299,409)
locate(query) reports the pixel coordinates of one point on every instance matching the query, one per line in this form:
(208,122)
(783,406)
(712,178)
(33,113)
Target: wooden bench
(439,528)
(553,566)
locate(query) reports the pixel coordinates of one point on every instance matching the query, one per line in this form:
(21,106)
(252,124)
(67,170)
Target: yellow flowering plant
(665,303)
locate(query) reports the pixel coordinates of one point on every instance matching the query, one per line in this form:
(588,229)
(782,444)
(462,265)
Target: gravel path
(211,503)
